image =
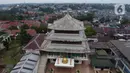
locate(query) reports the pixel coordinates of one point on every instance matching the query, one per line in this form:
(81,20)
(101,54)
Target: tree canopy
(25,26)
(125,21)
(89,31)
(4,40)
(41,29)
(88,16)
(13,28)
(23,36)
(47,10)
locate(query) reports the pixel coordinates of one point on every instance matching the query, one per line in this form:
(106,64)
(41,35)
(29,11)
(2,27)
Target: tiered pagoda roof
(68,48)
(67,23)
(66,37)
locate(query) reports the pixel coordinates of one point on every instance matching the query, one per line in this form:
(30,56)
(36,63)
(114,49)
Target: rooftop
(101,63)
(123,46)
(69,48)
(83,68)
(35,43)
(69,37)
(99,45)
(67,23)
(27,63)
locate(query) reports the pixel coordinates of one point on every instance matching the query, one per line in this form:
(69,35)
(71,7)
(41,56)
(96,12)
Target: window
(76,61)
(54,59)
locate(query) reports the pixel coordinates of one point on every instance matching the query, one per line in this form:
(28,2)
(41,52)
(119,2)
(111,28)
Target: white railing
(77,58)
(52,56)
(63,34)
(50,33)
(81,58)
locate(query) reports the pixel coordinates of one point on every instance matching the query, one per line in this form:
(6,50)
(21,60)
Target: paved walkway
(84,68)
(42,64)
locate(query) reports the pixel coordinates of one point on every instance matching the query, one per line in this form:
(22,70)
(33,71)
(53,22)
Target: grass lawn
(13,55)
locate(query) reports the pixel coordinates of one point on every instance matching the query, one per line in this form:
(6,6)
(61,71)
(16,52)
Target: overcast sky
(64,1)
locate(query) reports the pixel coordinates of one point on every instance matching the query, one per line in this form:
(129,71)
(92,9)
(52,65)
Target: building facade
(66,41)
(64,46)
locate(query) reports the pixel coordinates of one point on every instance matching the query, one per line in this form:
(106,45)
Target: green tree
(41,29)
(89,31)
(88,17)
(6,44)
(24,37)
(13,28)
(20,17)
(125,21)
(25,26)
(4,38)
(47,10)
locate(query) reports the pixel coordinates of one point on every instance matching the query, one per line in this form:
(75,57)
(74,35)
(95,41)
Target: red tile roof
(5,26)
(31,23)
(14,32)
(40,39)
(35,43)
(7,31)
(31,32)
(47,17)
(33,46)
(1,21)
(15,23)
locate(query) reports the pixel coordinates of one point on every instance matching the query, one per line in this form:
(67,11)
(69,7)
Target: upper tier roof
(67,23)
(65,37)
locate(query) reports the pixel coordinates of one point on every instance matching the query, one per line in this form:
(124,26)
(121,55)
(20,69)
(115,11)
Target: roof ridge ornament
(68,16)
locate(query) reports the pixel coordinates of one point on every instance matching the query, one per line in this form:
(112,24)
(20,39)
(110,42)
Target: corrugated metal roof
(27,63)
(123,47)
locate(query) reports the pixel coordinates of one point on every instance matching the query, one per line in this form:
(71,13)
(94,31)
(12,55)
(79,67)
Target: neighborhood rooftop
(123,46)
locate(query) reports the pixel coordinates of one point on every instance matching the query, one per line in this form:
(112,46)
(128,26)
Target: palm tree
(5,39)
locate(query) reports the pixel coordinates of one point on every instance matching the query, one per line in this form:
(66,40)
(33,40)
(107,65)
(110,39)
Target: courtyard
(85,67)
(82,68)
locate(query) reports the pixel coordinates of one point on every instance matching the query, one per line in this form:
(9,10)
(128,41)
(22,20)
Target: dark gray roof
(100,45)
(101,63)
(123,46)
(98,30)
